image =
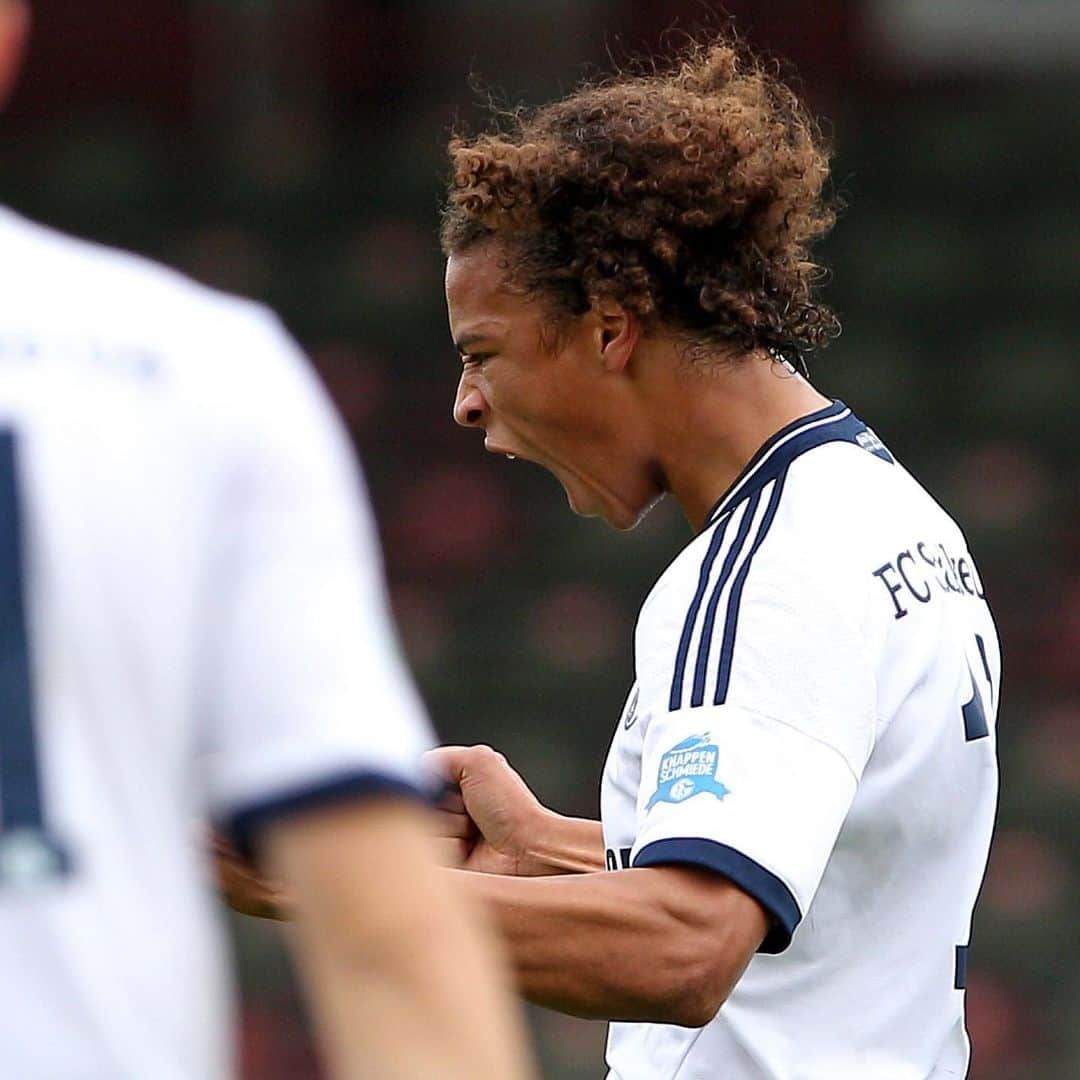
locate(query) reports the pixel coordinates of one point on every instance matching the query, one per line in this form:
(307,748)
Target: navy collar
(835,422)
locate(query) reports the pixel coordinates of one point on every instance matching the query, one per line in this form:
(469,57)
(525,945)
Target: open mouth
(492,448)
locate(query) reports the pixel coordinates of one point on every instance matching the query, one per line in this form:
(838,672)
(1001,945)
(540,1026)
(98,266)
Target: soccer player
(799,796)
(192,624)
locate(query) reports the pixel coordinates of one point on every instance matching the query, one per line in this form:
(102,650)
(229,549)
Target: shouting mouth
(491,448)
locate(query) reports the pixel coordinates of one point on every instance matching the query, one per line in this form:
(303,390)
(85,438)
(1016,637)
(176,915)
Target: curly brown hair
(690,196)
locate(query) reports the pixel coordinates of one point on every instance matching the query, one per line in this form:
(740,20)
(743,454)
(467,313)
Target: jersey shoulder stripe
(683,651)
(741,521)
(750,521)
(697,697)
(727,646)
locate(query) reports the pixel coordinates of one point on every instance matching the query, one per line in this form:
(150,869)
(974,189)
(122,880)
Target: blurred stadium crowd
(292,150)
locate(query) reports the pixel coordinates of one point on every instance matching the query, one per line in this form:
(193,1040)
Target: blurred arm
(401,972)
(306,699)
(659,944)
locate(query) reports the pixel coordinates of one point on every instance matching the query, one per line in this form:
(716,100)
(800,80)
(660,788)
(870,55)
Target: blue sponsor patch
(686,770)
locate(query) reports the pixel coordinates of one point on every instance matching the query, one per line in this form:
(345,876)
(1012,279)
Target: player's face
(557,403)
(14,27)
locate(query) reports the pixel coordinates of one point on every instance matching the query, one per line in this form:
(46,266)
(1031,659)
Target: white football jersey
(813,717)
(192,625)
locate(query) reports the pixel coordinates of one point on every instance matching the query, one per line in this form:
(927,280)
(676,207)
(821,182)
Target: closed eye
(475,359)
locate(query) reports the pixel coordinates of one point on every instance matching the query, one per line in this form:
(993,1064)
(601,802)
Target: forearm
(564,845)
(632,945)
(402,973)
(368,1020)
(421,999)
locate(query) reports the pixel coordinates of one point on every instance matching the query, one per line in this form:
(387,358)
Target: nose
(469,405)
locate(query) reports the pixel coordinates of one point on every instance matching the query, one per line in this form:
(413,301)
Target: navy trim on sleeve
(765,887)
(243,825)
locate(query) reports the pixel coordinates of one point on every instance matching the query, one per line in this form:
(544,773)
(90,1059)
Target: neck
(710,421)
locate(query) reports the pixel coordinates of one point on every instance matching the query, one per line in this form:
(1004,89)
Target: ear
(618,331)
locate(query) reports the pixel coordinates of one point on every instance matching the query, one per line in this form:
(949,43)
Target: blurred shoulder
(82,287)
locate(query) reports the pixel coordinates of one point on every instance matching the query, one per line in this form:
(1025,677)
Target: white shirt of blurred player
(208,634)
(813,717)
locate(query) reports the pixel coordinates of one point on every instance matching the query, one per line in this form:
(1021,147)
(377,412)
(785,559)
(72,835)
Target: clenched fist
(492,821)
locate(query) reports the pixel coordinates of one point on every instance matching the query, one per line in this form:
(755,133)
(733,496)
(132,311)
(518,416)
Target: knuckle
(488,755)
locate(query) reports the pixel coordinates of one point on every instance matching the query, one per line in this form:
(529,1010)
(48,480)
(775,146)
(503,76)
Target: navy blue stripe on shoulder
(768,466)
(245,824)
(675,698)
(754,880)
(731,620)
(697,696)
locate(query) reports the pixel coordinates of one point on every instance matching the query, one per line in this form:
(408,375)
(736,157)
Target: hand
(487,824)
(242,887)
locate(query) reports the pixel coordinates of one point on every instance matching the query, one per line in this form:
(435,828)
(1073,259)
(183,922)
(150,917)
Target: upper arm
(720,925)
(386,874)
(760,717)
(305,693)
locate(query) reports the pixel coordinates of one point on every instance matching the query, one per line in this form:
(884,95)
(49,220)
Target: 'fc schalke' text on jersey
(813,717)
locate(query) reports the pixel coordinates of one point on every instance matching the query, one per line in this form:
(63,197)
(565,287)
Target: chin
(619,516)
(633,518)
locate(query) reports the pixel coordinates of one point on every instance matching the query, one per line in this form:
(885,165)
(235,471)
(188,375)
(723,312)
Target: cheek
(533,394)
(507,391)
(539,405)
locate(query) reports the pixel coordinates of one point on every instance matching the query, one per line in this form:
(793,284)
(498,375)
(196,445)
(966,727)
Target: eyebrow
(466,340)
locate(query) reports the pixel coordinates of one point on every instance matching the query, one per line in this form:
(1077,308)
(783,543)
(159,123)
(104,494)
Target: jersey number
(28,853)
(975,725)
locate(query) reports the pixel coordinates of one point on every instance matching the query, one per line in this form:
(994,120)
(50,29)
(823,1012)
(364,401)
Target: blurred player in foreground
(192,624)
(799,796)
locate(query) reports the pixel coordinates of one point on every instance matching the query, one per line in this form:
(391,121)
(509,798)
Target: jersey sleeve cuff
(754,880)
(244,824)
